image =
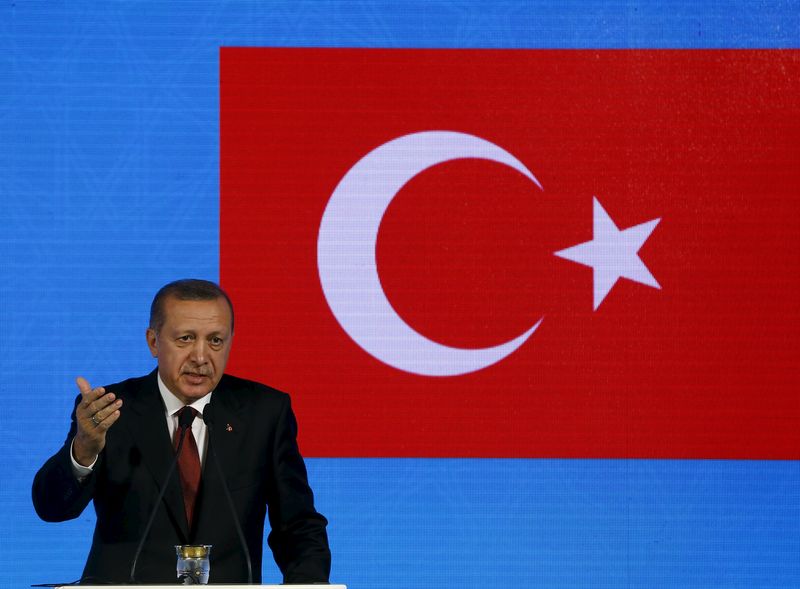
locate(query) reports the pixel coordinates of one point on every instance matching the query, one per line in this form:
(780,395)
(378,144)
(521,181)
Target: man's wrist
(80,471)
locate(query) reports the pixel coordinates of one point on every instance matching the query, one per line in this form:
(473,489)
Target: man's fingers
(87,392)
(101,403)
(103,414)
(96,412)
(108,421)
(83,385)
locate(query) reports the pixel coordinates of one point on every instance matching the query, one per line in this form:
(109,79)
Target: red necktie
(188,467)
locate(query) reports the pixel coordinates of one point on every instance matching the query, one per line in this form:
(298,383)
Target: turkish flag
(692,355)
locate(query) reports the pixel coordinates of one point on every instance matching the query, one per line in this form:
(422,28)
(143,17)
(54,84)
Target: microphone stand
(184,423)
(208,417)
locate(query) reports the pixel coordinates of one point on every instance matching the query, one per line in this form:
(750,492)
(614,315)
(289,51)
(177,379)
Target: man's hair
(187,289)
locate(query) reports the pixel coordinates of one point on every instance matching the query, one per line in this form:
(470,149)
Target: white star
(613,254)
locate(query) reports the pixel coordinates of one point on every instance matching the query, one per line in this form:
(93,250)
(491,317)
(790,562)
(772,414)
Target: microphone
(185,420)
(208,417)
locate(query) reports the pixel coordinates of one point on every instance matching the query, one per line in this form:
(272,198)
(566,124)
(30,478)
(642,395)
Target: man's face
(192,346)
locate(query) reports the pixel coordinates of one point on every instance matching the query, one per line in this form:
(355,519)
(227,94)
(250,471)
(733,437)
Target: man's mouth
(195,377)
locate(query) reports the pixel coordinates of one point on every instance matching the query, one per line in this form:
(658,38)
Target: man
(121,444)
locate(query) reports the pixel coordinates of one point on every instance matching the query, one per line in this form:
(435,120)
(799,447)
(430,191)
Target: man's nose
(198,354)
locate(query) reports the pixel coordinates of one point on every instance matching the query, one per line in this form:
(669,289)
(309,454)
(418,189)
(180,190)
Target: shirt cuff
(80,471)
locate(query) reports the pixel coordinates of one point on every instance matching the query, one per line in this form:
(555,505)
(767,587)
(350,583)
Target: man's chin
(194,388)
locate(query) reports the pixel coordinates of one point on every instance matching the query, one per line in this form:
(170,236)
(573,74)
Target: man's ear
(152,341)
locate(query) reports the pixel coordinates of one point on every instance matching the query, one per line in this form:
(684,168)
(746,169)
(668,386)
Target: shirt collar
(173,404)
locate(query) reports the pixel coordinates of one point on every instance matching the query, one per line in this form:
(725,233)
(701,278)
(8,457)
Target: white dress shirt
(173,405)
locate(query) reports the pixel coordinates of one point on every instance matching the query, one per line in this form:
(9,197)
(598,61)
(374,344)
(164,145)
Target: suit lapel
(149,429)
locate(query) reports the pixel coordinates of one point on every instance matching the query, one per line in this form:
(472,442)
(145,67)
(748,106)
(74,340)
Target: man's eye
(217,341)
(185,338)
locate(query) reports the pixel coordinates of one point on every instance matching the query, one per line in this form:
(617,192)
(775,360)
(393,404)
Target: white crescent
(346,261)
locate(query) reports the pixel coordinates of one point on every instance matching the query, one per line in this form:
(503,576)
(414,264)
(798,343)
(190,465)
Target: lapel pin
(228,427)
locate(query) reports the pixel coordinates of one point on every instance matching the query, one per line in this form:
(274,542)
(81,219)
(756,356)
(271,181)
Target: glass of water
(193,566)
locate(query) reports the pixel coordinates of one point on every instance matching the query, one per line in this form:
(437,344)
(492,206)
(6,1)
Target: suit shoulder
(132,385)
(250,389)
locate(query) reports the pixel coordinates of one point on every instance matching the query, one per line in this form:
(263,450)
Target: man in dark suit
(120,446)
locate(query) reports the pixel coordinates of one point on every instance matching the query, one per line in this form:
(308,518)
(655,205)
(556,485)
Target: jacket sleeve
(298,538)
(57,494)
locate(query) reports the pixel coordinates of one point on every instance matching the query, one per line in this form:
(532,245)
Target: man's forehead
(205,313)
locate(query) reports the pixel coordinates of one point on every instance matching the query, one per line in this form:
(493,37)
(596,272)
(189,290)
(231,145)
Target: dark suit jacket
(254,434)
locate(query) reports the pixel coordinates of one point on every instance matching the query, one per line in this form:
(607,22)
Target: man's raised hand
(96,412)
